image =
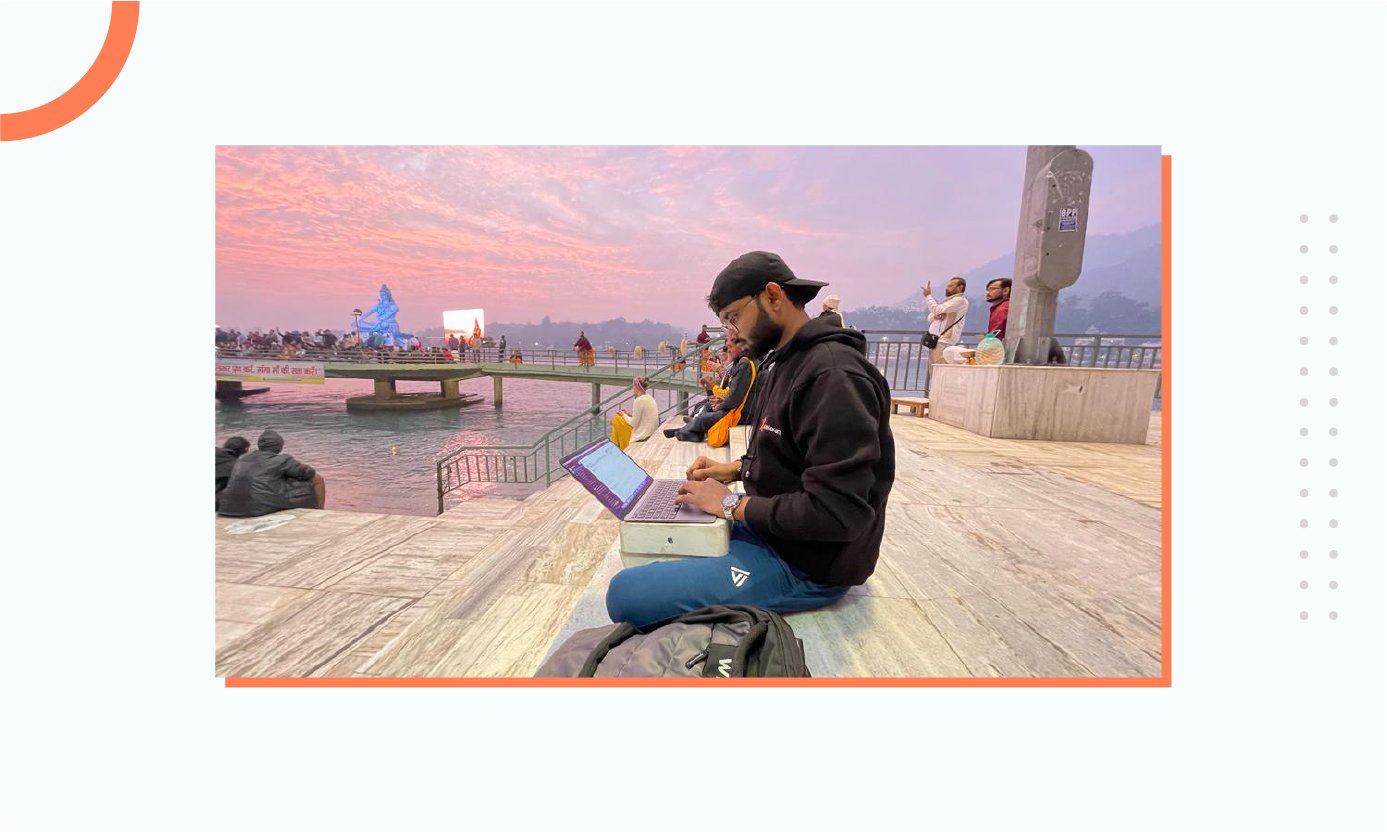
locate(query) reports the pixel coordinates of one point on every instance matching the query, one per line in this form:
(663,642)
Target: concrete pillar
(385,388)
(1049,246)
(684,402)
(450,388)
(596,397)
(496,390)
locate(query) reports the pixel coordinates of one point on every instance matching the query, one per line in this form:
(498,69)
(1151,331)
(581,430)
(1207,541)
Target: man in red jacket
(585,352)
(999,295)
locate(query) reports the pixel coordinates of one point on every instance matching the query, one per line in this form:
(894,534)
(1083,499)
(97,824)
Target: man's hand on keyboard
(704,468)
(705,495)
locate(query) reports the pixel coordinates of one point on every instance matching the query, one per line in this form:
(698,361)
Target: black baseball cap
(749,274)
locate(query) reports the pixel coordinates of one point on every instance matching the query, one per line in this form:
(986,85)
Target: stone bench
(830,634)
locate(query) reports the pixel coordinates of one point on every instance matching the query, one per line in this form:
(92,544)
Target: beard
(765,334)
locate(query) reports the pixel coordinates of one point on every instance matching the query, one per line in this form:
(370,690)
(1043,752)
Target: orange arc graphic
(45,118)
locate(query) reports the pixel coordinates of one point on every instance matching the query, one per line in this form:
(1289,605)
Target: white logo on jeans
(739,576)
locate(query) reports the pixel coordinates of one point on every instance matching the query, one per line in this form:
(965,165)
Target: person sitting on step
(640,426)
(725,397)
(265,481)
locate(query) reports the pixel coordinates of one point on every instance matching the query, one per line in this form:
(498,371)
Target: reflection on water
(353,450)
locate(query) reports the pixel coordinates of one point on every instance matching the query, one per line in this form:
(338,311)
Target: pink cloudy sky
(304,234)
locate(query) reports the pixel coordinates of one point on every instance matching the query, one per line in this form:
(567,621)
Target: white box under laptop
(619,483)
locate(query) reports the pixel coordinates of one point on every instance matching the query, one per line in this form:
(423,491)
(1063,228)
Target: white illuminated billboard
(465,321)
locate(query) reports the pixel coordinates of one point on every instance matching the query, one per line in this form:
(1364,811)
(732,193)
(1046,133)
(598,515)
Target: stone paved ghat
(1001,558)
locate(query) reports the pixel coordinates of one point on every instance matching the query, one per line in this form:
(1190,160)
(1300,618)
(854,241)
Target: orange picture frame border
(1162,681)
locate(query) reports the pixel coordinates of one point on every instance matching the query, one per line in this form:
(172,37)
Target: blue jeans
(696,429)
(751,573)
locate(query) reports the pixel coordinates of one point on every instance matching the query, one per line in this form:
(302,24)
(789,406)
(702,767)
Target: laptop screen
(613,477)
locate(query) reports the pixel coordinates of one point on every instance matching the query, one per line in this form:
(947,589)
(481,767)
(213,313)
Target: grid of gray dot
(1317,290)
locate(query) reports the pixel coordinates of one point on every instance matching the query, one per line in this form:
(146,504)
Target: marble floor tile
(1001,557)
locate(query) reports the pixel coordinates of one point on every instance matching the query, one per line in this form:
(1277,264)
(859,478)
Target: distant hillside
(617,332)
(1119,290)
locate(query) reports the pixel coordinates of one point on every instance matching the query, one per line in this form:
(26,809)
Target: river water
(353,450)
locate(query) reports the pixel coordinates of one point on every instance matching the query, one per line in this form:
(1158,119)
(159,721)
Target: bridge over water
(897,353)
(386,369)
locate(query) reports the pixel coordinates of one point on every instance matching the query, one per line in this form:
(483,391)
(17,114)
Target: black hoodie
(821,457)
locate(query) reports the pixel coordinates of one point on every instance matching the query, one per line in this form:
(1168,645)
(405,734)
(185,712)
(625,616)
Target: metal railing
(539,460)
(900,356)
(904,361)
(1113,351)
(647,362)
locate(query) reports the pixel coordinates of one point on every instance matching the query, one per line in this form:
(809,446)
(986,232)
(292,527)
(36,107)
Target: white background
(113,713)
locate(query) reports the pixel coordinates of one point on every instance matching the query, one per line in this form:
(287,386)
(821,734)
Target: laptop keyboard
(659,502)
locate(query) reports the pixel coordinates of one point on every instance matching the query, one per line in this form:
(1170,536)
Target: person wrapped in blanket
(639,423)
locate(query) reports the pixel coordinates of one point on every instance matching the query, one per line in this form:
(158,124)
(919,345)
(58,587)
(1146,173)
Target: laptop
(626,489)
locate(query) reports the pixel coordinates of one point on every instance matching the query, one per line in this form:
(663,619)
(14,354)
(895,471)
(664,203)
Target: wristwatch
(729,504)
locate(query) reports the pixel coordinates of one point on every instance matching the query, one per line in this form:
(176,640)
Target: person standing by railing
(999,297)
(946,317)
(584,348)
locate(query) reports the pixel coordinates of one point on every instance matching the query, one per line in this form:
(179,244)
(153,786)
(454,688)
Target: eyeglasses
(731,319)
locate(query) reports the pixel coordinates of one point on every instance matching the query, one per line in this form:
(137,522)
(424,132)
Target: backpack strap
(747,394)
(772,648)
(619,633)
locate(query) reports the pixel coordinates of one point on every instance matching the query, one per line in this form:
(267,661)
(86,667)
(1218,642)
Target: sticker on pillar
(1069,219)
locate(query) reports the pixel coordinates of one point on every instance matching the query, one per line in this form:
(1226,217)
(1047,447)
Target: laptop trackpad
(693,514)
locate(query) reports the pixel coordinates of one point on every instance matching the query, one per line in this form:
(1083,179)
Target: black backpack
(715,641)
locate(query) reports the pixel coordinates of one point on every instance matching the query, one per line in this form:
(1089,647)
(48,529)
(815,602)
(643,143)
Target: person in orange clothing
(584,347)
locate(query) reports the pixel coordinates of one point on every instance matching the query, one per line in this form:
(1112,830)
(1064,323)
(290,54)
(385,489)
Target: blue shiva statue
(375,332)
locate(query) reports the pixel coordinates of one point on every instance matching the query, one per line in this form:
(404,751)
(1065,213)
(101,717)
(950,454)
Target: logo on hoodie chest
(765,426)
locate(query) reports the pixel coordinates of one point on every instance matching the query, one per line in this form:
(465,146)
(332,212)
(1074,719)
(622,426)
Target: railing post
(440,488)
